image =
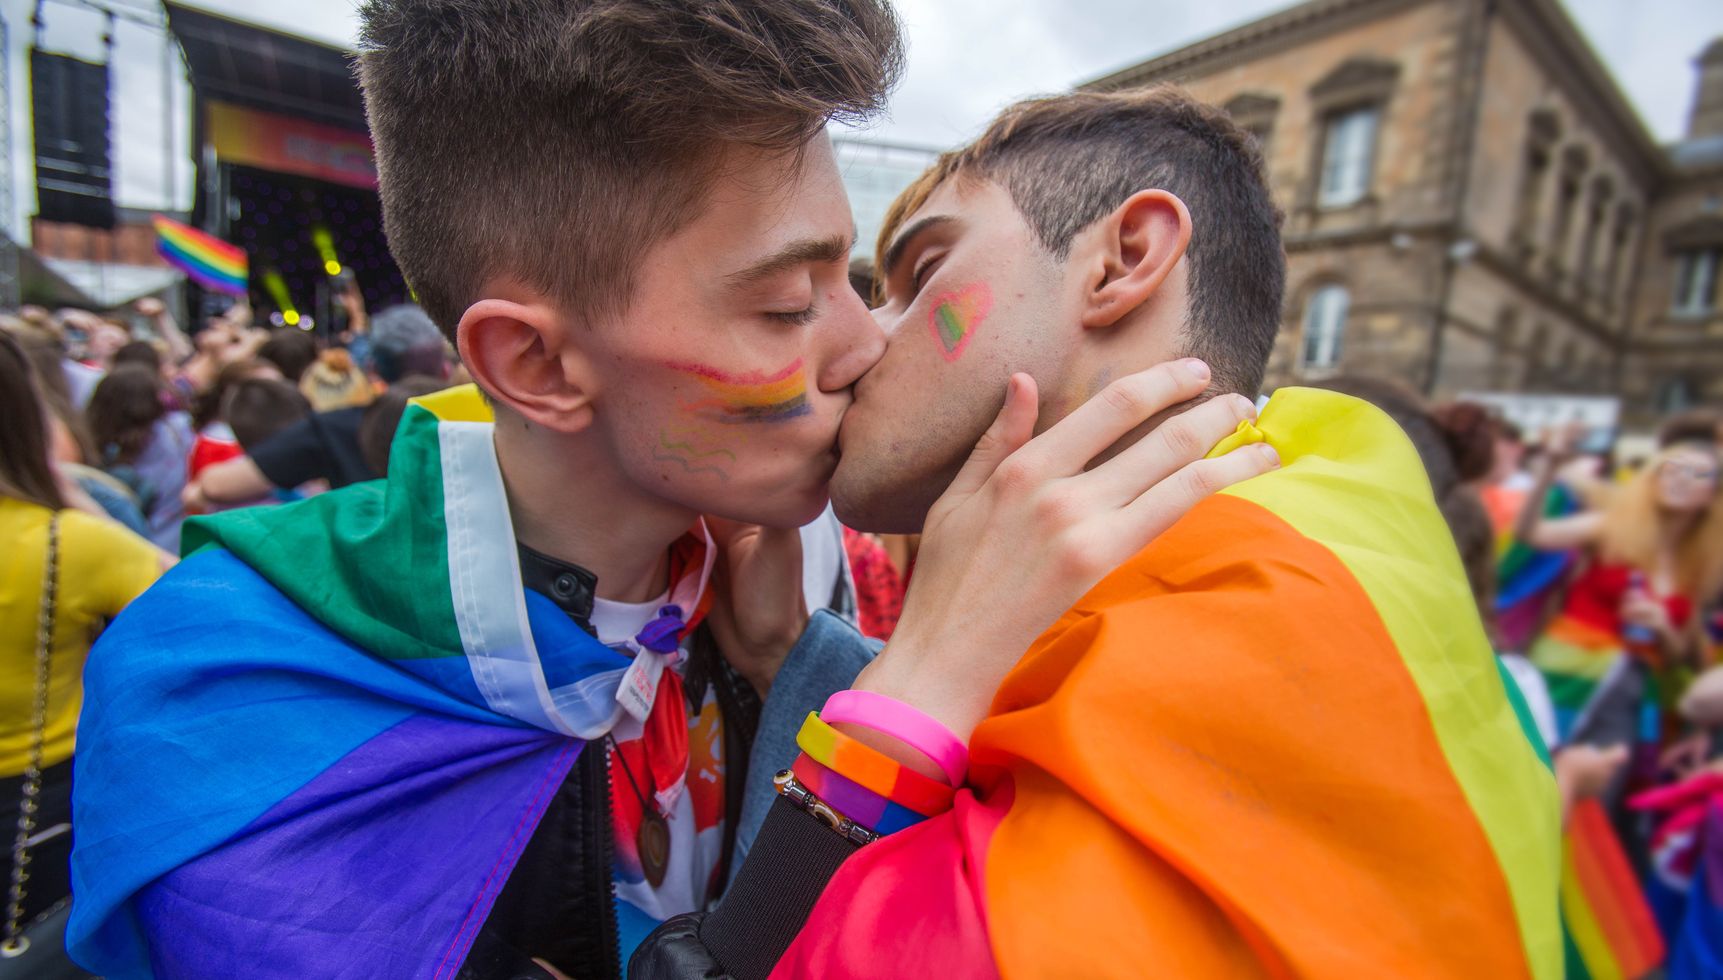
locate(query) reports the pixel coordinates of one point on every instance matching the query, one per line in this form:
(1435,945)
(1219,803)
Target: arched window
(1574,162)
(1324,326)
(1542,131)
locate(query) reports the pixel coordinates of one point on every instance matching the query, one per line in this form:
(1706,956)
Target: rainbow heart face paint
(750,396)
(956,315)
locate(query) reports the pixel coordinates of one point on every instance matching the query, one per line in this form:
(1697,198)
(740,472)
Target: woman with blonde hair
(1626,638)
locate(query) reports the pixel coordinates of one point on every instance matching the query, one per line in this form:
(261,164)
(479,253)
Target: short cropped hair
(257,408)
(1070,160)
(553,142)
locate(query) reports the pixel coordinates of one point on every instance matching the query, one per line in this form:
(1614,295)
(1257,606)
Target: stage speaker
(74,173)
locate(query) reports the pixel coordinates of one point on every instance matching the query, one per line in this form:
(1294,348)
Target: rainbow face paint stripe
(750,396)
(678,447)
(956,315)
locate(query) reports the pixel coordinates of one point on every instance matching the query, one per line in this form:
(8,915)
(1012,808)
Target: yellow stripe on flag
(1391,539)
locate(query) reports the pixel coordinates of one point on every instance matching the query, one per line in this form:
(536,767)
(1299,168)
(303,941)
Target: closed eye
(923,268)
(794,318)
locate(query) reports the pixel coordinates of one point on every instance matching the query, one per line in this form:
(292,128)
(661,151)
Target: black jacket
(792,860)
(559,903)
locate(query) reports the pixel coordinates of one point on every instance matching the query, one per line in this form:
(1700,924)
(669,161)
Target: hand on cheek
(1029,526)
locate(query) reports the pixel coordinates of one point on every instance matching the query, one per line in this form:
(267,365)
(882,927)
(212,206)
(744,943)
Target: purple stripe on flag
(384,865)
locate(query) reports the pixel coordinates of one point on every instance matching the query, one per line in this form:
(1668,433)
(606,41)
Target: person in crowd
(144,444)
(334,382)
(260,408)
(879,587)
(383,417)
(216,442)
(1697,425)
(403,341)
(255,410)
(291,350)
(1290,685)
(327,446)
(101,338)
(96,568)
(160,319)
(1629,610)
(139,353)
(70,443)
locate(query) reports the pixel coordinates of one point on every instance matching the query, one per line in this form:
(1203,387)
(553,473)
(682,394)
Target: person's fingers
(1011,428)
(1101,421)
(725,532)
(1163,504)
(1173,445)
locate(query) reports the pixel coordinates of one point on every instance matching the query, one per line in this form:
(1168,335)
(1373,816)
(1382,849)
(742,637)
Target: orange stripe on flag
(1611,891)
(1222,748)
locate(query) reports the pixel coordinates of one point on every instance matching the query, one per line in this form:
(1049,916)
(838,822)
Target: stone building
(1471,204)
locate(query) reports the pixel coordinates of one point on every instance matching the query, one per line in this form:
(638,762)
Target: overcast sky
(967,58)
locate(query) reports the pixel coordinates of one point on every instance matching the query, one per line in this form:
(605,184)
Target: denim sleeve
(824,661)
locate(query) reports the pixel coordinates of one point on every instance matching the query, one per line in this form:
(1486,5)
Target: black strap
(792,860)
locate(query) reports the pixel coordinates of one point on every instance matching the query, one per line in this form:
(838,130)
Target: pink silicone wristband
(889,716)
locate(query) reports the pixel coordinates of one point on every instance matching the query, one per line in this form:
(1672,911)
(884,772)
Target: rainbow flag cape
(325,696)
(1525,576)
(1611,934)
(1274,743)
(209,261)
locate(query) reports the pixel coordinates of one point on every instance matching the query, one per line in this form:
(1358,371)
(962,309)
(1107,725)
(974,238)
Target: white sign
(1537,414)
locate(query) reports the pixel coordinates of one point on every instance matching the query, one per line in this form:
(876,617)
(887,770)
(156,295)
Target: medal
(652,837)
(652,840)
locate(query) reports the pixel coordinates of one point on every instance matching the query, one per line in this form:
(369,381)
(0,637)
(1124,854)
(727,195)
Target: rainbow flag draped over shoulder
(209,261)
(1274,743)
(1525,576)
(317,747)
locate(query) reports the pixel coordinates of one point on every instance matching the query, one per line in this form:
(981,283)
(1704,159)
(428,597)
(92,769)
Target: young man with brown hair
(1274,742)
(487,711)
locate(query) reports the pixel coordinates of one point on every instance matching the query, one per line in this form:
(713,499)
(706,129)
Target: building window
(1255,112)
(1574,164)
(1618,245)
(1324,326)
(1696,279)
(1526,208)
(1596,211)
(1673,395)
(1348,152)
(1543,131)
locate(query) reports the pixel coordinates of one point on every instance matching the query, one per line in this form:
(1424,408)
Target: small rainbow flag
(1610,931)
(209,261)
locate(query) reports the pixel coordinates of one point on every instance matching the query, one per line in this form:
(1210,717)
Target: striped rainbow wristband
(872,769)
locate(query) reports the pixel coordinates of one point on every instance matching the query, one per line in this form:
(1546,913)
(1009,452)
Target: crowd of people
(513,637)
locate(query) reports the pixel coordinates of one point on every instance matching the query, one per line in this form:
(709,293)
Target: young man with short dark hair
(498,708)
(1274,742)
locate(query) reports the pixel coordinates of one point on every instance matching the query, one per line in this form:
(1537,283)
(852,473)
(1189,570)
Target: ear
(522,352)
(1139,245)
